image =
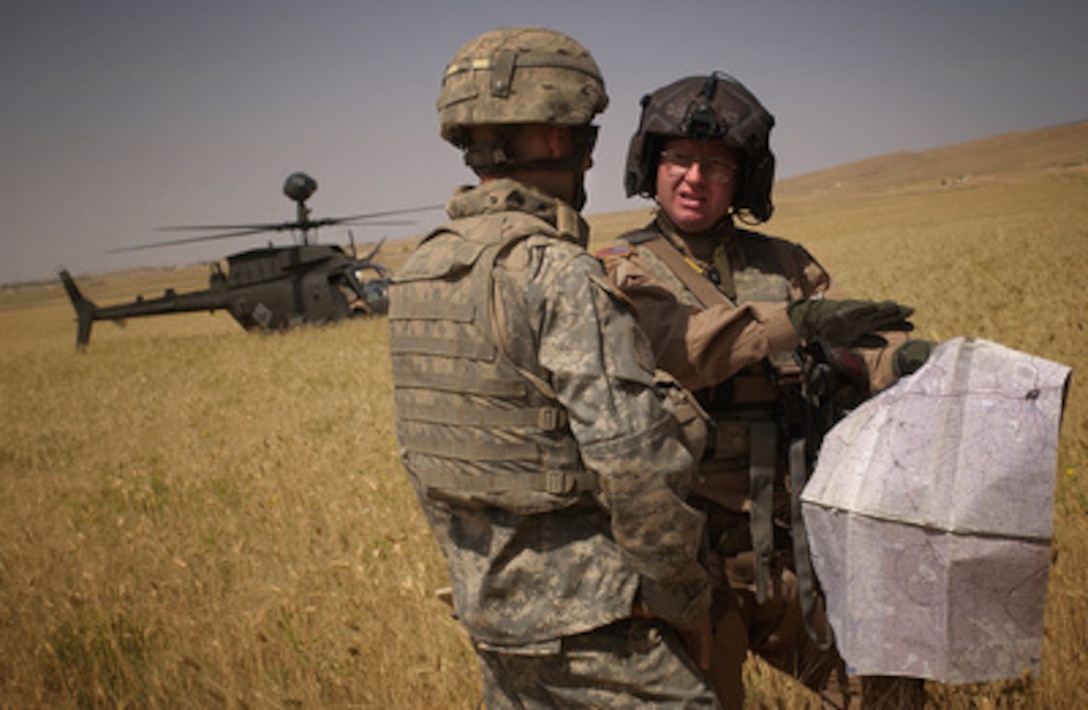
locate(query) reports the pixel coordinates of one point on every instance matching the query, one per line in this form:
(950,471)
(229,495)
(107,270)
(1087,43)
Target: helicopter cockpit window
(376,295)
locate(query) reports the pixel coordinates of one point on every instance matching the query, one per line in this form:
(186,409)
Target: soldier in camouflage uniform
(725,310)
(541,450)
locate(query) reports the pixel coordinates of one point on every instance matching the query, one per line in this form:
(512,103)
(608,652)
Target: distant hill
(1006,156)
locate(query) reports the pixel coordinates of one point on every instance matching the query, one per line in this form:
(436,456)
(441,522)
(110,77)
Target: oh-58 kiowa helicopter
(271,288)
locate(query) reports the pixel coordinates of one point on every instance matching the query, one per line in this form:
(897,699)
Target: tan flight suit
(730,352)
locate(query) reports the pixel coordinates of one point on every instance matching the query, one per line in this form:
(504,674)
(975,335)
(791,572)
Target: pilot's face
(696,181)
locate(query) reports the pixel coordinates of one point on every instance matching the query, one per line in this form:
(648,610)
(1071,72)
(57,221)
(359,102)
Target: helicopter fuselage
(271,288)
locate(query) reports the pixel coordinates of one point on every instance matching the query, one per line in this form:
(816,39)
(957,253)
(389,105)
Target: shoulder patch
(619,249)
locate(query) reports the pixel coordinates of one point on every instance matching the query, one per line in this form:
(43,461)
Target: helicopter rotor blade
(386,213)
(303,224)
(242,230)
(189,240)
(258,227)
(382,223)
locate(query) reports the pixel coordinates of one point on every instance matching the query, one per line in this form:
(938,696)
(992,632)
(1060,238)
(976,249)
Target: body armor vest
(472,423)
(756,387)
(754,416)
(759,430)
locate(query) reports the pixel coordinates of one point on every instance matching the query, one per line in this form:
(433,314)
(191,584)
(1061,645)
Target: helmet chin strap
(506,167)
(578,199)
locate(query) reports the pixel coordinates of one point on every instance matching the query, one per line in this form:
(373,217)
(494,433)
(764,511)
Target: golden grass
(1006,261)
(195,517)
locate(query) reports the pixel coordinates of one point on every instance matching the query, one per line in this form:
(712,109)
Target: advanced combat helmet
(714,107)
(514,76)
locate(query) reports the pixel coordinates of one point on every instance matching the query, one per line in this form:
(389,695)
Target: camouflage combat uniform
(544,460)
(736,354)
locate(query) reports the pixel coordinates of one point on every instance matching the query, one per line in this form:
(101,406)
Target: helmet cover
(519,75)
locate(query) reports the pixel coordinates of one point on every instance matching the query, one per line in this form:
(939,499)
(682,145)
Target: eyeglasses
(678,164)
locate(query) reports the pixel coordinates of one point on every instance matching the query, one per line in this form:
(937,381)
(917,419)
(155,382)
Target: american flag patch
(619,249)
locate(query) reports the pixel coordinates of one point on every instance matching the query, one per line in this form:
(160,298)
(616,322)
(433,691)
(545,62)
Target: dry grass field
(194,517)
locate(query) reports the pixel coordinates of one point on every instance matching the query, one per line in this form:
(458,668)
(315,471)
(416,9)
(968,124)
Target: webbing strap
(544,418)
(460,345)
(764,436)
(407,376)
(554,482)
(472,451)
(707,293)
(505,61)
(802,562)
(400,309)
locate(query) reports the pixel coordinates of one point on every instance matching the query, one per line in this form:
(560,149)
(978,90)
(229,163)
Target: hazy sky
(119,117)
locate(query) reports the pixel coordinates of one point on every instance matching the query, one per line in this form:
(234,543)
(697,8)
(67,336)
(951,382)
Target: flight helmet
(714,107)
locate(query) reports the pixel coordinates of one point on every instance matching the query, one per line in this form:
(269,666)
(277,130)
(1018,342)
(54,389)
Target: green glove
(848,323)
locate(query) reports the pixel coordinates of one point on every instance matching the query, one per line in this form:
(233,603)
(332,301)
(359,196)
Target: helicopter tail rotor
(85,310)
